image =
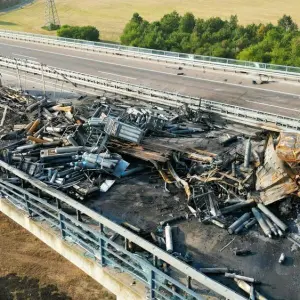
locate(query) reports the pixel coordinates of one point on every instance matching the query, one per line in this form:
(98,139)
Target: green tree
(287,23)
(187,23)
(170,22)
(134,30)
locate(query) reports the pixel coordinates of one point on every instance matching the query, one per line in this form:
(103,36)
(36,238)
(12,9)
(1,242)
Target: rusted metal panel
(274,177)
(288,148)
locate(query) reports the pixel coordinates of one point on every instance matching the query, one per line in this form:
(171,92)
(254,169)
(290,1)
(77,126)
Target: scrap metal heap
(78,147)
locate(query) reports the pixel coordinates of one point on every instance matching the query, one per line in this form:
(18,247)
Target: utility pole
(51,15)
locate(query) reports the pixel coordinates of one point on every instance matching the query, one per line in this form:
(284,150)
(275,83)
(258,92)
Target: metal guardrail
(272,70)
(227,111)
(90,233)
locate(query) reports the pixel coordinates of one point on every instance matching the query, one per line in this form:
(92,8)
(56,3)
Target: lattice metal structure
(51,15)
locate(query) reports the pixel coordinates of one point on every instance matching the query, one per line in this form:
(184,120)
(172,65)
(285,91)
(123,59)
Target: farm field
(29,269)
(110,16)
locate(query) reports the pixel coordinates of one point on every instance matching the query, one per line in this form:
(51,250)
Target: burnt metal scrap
(224,177)
(78,147)
(220,175)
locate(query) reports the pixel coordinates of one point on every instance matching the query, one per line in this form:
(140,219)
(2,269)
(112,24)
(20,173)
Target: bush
(89,33)
(51,27)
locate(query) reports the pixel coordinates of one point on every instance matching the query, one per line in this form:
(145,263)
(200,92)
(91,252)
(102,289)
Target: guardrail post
(101,246)
(189,282)
(126,246)
(28,206)
(152,285)
(155,261)
(61,225)
(78,215)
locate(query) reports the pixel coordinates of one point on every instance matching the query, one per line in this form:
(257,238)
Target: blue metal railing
(91,231)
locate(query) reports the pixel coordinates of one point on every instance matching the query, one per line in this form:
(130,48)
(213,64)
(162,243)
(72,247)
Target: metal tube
(247,288)
(238,222)
(270,224)
(237,206)
(169,239)
(244,278)
(233,169)
(68,149)
(72,141)
(247,154)
(250,223)
(268,213)
(240,228)
(53,176)
(261,222)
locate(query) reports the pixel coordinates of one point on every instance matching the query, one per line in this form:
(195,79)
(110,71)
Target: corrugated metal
(274,177)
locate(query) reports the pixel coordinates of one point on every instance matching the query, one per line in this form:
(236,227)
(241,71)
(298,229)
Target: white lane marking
(266,104)
(16,54)
(115,74)
(159,72)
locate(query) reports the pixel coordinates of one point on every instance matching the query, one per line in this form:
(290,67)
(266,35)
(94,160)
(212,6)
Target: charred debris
(232,176)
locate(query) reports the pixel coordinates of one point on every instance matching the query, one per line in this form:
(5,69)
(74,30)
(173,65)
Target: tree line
(268,43)
(8,3)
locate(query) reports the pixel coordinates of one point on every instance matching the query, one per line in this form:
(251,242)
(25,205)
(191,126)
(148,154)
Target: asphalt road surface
(277,97)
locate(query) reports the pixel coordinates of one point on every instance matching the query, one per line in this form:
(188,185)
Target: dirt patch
(29,269)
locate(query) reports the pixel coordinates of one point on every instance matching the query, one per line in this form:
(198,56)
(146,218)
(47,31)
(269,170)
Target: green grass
(110,16)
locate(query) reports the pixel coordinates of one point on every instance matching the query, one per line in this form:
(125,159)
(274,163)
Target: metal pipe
(233,169)
(237,206)
(53,176)
(68,149)
(250,223)
(270,224)
(241,227)
(244,278)
(247,154)
(247,288)
(169,239)
(72,141)
(261,222)
(276,220)
(65,172)
(238,222)
(279,231)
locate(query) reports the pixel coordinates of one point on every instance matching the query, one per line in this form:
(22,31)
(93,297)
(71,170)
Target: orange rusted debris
(34,126)
(275,179)
(63,108)
(288,148)
(36,140)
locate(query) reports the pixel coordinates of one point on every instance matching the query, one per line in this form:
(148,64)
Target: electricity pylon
(51,16)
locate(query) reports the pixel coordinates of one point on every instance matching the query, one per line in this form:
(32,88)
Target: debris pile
(229,174)
(224,174)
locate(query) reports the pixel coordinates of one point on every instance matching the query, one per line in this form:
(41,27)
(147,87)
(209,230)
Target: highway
(233,88)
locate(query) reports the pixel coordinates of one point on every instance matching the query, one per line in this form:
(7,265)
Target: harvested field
(31,270)
(110,16)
